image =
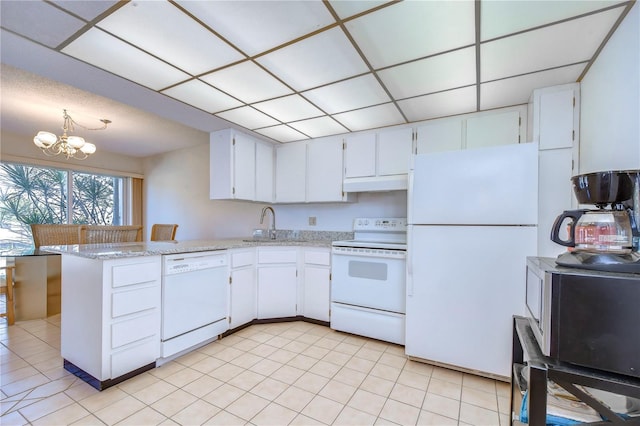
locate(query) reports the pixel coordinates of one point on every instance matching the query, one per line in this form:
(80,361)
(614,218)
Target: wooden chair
(94,234)
(7,289)
(163,232)
(45,234)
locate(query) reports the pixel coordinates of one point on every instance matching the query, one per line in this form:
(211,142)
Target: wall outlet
(312,220)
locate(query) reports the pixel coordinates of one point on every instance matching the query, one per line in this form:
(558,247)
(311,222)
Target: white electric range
(368,290)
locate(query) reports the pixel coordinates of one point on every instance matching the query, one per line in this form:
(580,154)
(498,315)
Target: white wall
(610,99)
(177,191)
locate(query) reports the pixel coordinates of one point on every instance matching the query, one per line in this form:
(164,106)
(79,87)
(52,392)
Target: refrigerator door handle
(409,262)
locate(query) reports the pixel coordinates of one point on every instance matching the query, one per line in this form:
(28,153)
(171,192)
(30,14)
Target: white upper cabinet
(360,155)
(554,114)
(439,135)
(264,172)
(377,161)
(493,129)
(310,171)
(394,151)
(291,170)
(244,167)
(324,170)
(241,167)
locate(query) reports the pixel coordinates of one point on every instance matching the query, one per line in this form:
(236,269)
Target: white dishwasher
(194,299)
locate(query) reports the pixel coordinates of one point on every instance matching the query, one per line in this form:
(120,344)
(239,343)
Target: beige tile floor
(268,374)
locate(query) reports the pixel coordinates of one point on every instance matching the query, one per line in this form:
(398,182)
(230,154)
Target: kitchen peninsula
(115,296)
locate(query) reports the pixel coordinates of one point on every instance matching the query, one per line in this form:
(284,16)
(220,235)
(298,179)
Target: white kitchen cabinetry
(241,167)
(360,155)
(277,282)
(291,170)
(439,135)
(555,116)
(554,113)
(310,171)
(264,172)
(394,151)
(111,316)
(317,283)
(377,161)
(242,282)
(324,170)
(493,129)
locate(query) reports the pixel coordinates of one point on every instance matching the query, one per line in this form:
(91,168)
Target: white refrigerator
(472,218)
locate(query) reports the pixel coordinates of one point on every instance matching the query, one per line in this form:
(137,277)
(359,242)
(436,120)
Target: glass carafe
(606,231)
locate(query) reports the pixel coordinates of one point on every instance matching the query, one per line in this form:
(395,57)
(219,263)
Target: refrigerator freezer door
(486,186)
(463,291)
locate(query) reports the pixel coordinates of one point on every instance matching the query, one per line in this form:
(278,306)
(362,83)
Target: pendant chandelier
(69,146)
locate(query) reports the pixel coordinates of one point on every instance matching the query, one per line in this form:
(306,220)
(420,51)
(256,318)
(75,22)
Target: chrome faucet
(272,229)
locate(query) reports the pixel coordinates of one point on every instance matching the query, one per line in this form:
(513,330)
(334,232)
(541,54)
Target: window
(33,194)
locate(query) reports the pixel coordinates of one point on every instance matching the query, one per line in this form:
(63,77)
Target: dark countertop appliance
(584,317)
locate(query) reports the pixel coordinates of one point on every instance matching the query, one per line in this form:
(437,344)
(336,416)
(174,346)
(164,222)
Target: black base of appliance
(103,384)
(607,262)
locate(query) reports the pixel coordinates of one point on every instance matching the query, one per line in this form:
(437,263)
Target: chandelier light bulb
(45,139)
(88,148)
(75,142)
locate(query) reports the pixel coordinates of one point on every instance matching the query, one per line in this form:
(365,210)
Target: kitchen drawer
(135,273)
(134,329)
(243,258)
(317,257)
(134,357)
(277,256)
(129,302)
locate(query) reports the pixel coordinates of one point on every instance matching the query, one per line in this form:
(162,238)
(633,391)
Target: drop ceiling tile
(248,117)
(289,108)
(451,102)
(104,51)
(370,118)
(349,94)
(192,48)
(499,18)
(39,21)
(257,26)
(88,10)
(434,74)
(413,29)
(203,96)
(321,59)
(318,127)
(282,133)
(248,82)
(517,90)
(561,44)
(345,9)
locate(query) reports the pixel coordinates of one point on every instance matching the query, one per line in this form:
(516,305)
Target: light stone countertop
(153,248)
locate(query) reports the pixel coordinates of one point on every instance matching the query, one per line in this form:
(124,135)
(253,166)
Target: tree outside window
(30,194)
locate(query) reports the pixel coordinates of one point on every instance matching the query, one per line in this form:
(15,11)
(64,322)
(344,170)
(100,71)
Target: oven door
(370,278)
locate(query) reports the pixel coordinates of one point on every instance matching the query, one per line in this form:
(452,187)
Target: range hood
(375,183)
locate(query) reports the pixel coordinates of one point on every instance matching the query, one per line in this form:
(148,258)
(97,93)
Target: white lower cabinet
(242,294)
(317,283)
(111,315)
(277,282)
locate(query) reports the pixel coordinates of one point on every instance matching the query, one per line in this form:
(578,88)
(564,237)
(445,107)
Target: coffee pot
(607,237)
(598,231)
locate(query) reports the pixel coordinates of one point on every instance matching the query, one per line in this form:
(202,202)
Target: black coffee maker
(606,238)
